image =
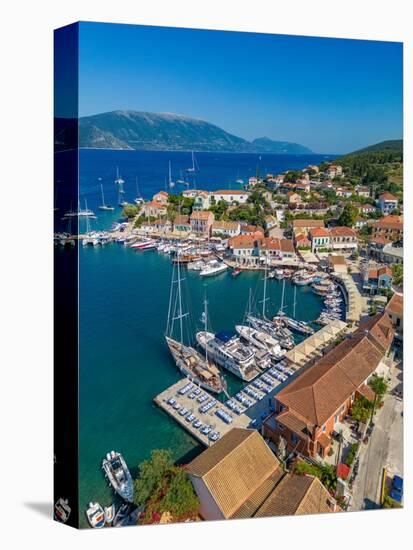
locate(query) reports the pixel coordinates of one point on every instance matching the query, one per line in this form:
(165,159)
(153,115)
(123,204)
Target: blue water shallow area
(124,361)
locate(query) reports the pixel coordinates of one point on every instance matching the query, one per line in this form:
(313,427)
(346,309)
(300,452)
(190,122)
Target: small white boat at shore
(95,515)
(109,514)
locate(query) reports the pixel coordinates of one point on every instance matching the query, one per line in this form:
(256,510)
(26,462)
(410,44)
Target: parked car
(396,491)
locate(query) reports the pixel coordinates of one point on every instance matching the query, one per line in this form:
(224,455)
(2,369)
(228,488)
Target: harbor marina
(207,419)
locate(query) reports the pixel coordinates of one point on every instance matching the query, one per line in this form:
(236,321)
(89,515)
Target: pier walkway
(193,405)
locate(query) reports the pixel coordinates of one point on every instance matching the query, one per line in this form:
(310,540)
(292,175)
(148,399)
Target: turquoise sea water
(124,361)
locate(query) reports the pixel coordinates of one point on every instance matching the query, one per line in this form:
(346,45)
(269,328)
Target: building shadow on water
(44,509)
(190,455)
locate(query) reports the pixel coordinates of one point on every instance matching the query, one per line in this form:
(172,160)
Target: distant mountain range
(170,132)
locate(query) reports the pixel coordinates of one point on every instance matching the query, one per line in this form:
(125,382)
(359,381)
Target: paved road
(384,449)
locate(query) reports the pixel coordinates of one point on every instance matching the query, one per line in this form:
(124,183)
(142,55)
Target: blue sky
(331,95)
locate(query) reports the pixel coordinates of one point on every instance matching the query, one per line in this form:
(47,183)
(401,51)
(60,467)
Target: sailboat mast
(206,327)
(103,197)
(180,298)
(264,300)
(295,301)
(282,297)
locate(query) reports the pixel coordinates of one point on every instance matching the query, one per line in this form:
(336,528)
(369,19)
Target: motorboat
(118,475)
(261,341)
(95,515)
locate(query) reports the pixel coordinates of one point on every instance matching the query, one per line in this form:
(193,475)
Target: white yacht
(261,340)
(118,475)
(213,268)
(226,349)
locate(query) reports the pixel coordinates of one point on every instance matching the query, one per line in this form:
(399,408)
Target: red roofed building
(343,238)
(201,222)
(389,228)
(161,196)
(302,241)
(320,238)
(394,310)
(245,250)
(154,209)
(310,408)
(273,248)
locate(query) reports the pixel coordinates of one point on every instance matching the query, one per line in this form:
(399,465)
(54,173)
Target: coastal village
(318,426)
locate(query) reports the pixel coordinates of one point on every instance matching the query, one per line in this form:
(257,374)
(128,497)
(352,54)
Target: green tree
(378,385)
(130,211)
(151,474)
(219,209)
(180,498)
(398,274)
(361,409)
(348,216)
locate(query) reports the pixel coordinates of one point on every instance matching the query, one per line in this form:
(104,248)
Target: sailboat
(292,322)
(182,180)
(263,324)
(171,183)
(138,200)
(104,206)
(189,361)
(195,166)
(119,180)
(239,180)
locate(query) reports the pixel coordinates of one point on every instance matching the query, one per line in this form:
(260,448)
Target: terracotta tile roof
(201,215)
(396,304)
(387,197)
(308,223)
(296,495)
(296,423)
(379,240)
(319,232)
(390,222)
(342,232)
(181,220)
(226,225)
(155,204)
(255,501)
(301,238)
(318,392)
(242,241)
(234,468)
(366,392)
(287,245)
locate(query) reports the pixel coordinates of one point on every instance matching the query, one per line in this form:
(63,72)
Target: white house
(387,203)
(226,229)
(229,196)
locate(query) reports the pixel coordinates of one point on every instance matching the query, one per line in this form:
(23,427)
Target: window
(324,428)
